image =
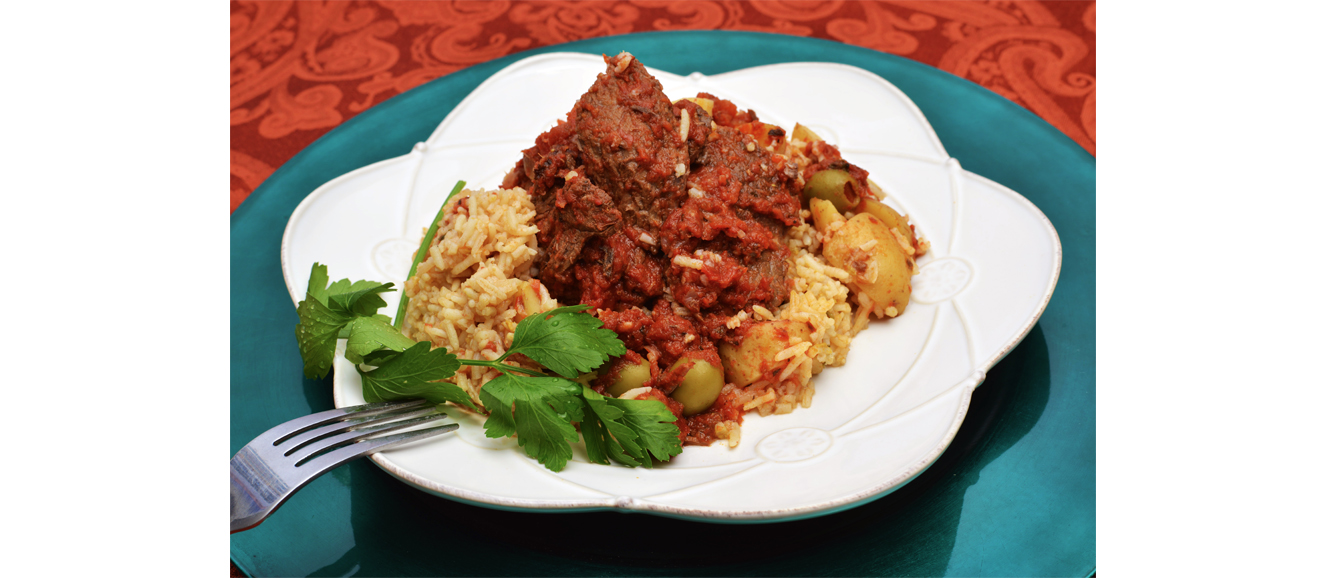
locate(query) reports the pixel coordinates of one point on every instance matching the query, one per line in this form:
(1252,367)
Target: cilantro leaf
(360,298)
(325,313)
(414,373)
(345,296)
(566,340)
(630,431)
(599,443)
(539,411)
(317,283)
(373,339)
(654,426)
(316,333)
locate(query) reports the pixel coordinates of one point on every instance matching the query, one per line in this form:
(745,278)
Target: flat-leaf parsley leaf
(566,343)
(415,373)
(326,310)
(542,411)
(539,411)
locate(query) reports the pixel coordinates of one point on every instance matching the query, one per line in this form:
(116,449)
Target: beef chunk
(746,176)
(629,143)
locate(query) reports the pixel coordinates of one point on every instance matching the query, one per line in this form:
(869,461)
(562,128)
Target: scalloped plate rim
(703,514)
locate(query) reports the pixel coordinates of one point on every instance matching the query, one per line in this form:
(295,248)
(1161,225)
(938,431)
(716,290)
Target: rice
(691,262)
(471,290)
(820,299)
(474,284)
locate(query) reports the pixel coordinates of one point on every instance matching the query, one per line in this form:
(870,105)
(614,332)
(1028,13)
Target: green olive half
(836,186)
(630,376)
(699,388)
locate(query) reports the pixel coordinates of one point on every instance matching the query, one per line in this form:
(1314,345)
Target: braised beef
(629,143)
(630,211)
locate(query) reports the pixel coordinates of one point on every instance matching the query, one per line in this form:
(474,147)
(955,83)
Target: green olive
(629,377)
(836,186)
(699,388)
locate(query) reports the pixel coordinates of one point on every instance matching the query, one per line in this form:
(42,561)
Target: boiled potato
(705,103)
(893,220)
(699,388)
(804,134)
(530,302)
(754,357)
(769,134)
(882,269)
(874,188)
(824,215)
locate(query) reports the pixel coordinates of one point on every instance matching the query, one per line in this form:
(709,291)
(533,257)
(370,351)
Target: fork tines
(285,458)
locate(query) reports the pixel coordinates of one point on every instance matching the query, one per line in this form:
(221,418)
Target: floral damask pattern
(299,69)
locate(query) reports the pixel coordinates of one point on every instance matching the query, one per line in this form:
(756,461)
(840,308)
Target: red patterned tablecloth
(299,69)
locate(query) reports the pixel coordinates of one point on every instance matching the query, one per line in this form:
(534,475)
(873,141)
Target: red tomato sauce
(666,235)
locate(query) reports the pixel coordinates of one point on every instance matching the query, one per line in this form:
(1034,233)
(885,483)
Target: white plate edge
(712,515)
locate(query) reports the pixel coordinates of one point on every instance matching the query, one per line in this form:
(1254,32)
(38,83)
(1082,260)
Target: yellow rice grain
(797,349)
(763,399)
(684,261)
(761,313)
(462,295)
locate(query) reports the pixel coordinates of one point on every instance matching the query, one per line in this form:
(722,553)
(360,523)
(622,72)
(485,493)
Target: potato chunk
(760,344)
(868,250)
(898,224)
(800,132)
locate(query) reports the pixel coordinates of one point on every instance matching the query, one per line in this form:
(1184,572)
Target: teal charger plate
(1014,494)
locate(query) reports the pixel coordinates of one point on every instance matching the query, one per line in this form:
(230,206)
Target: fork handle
(251,486)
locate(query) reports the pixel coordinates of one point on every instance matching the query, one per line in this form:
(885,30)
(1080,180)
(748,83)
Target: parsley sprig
(541,410)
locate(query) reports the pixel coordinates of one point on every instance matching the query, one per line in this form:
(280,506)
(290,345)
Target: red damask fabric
(299,69)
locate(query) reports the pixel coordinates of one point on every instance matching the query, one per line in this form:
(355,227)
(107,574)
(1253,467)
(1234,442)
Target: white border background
(1209,268)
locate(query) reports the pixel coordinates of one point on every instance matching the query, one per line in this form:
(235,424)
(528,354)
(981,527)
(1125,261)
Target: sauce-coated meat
(638,199)
(629,142)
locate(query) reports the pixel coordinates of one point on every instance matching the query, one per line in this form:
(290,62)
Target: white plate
(874,424)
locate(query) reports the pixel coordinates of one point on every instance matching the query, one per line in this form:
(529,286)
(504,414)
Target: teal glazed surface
(1014,494)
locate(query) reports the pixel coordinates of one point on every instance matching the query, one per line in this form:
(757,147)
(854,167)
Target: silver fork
(283,459)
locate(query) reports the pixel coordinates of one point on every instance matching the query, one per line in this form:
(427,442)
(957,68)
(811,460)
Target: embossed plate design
(874,424)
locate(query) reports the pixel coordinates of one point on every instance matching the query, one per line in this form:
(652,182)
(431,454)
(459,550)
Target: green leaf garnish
(316,333)
(414,374)
(325,313)
(631,431)
(538,410)
(566,341)
(317,283)
(373,339)
(359,299)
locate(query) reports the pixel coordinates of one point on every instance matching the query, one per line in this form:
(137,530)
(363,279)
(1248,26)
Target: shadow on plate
(912,531)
